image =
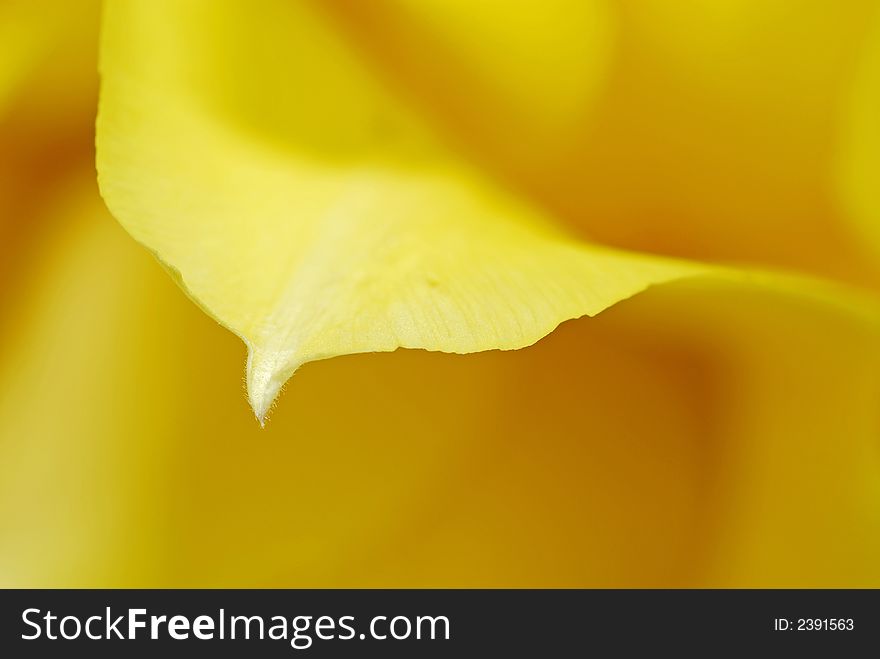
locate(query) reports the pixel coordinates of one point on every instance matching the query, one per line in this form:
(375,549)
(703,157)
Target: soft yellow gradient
(711,133)
(858,156)
(702,433)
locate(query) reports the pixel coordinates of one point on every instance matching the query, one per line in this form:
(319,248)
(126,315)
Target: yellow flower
(332,178)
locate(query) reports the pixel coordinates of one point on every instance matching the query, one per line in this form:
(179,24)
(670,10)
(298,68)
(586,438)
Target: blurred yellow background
(697,434)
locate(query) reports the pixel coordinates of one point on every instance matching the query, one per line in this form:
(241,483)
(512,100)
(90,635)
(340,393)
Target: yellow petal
(732,444)
(304,205)
(125,460)
(751,460)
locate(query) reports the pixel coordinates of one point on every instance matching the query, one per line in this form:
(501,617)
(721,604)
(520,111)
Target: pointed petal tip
(267,371)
